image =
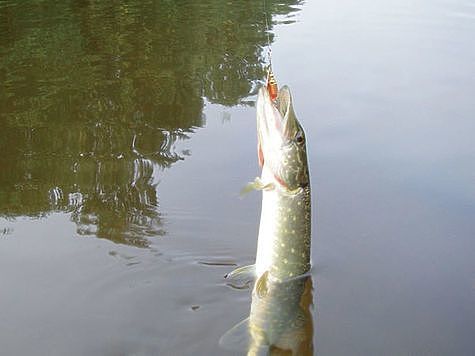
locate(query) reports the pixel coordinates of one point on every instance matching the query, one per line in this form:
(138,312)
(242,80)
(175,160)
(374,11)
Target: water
(127,132)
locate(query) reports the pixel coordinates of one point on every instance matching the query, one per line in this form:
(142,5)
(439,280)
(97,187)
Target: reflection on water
(95,96)
(280,320)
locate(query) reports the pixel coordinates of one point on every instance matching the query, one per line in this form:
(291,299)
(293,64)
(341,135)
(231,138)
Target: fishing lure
(272,85)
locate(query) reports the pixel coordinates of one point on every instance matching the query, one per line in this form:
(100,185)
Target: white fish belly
(267,234)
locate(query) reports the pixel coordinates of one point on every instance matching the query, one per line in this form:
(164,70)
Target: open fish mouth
(276,121)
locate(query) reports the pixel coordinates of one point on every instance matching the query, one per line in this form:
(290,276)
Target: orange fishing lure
(272,85)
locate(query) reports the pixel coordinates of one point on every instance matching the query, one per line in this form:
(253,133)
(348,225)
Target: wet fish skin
(280,320)
(285,225)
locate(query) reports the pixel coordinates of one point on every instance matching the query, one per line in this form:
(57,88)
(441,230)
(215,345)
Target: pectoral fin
(242,276)
(257,184)
(261,285)
(237,338)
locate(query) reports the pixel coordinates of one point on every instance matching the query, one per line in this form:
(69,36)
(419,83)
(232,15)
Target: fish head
(282,147)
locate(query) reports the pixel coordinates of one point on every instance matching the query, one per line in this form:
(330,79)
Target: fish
(280,320)
(284,239)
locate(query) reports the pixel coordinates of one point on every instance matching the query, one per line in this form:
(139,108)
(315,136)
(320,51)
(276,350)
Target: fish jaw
(276,120)
(269,126)
(281,141)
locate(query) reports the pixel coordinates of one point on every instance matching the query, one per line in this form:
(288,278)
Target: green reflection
(94,96)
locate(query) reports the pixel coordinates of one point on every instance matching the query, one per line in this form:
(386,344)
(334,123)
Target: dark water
(127,132)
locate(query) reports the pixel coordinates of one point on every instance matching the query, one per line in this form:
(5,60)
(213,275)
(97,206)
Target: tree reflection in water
(95,97)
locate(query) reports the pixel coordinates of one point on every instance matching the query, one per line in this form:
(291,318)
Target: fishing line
(269,48)
(271,84)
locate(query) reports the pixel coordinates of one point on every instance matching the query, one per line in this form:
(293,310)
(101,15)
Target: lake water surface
(127,130)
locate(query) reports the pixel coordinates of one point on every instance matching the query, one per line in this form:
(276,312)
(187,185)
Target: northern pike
(283,247)
(280,320)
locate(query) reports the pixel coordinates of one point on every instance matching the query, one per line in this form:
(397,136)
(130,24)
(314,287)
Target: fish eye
(299,137)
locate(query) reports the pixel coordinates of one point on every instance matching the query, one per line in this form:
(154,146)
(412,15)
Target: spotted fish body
(285,226)
(280,320)
(284,246)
